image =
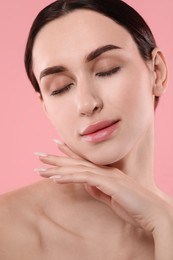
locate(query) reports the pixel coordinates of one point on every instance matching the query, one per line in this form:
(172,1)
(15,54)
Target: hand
(132,202)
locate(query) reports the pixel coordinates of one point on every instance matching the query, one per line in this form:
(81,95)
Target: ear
(160,72)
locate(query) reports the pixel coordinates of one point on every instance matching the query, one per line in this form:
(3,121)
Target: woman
(99,76)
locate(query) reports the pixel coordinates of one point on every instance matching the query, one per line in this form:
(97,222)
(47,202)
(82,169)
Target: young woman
(99,76)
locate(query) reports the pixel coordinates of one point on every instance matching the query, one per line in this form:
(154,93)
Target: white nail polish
(57,141)
(41,154)
(40,170)
(56,178)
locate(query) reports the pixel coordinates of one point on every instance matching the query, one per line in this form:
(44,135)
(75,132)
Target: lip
(99,131)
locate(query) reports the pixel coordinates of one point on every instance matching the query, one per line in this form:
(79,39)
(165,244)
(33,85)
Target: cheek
(133,94)
(60,116)
(138,109)
(131,99)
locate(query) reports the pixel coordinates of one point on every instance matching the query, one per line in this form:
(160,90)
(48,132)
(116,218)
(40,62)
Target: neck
(138,163)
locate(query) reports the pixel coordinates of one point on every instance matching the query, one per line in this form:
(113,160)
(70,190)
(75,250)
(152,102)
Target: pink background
(24,129)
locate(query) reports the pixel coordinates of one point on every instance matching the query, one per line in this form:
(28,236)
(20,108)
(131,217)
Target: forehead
(75,35)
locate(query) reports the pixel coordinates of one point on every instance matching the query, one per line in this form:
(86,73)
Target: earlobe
(160,73)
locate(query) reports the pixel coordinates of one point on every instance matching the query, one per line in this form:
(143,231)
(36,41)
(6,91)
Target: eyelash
(100,74)
(108,73)
(62,90)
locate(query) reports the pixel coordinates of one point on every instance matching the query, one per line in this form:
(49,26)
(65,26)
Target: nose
(89,101)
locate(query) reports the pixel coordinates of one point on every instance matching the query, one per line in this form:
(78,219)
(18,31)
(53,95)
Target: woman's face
(91,75)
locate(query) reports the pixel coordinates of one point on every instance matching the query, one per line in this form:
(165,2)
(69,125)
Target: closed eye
(108,73)
(62,90)
(99,74)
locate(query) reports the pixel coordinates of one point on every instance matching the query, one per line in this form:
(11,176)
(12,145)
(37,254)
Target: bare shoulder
(13,205)
(16,223)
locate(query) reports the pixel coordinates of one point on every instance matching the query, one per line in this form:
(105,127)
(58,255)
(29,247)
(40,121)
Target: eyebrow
(52,70)
(91,56)
(96,53)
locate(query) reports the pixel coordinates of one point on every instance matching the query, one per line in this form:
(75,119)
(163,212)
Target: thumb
(106,199)
(98,194)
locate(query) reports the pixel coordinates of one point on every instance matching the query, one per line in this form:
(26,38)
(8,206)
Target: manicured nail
(56,178)
(40,154)
(39,170)
(57,141)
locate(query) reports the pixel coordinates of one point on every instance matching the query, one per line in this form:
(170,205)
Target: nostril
(95,108)
(88,105)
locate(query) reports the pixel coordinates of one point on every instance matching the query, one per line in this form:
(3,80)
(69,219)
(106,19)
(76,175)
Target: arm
(135,204)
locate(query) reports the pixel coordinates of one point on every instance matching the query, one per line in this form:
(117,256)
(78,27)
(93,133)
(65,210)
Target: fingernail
(40,170)
(40,154)
(57,141)
(56,178)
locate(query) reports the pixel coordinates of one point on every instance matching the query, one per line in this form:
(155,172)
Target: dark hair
(117,10)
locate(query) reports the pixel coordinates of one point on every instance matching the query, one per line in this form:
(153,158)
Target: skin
(101,197)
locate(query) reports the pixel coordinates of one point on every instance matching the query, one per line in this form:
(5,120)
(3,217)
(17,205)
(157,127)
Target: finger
(66,170)
(83,175)
(115,185)
(61,161)
(135,200)
(46,173)
(109,186)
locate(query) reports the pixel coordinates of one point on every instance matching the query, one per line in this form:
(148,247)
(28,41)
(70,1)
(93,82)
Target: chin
(105,159)
(105,154)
